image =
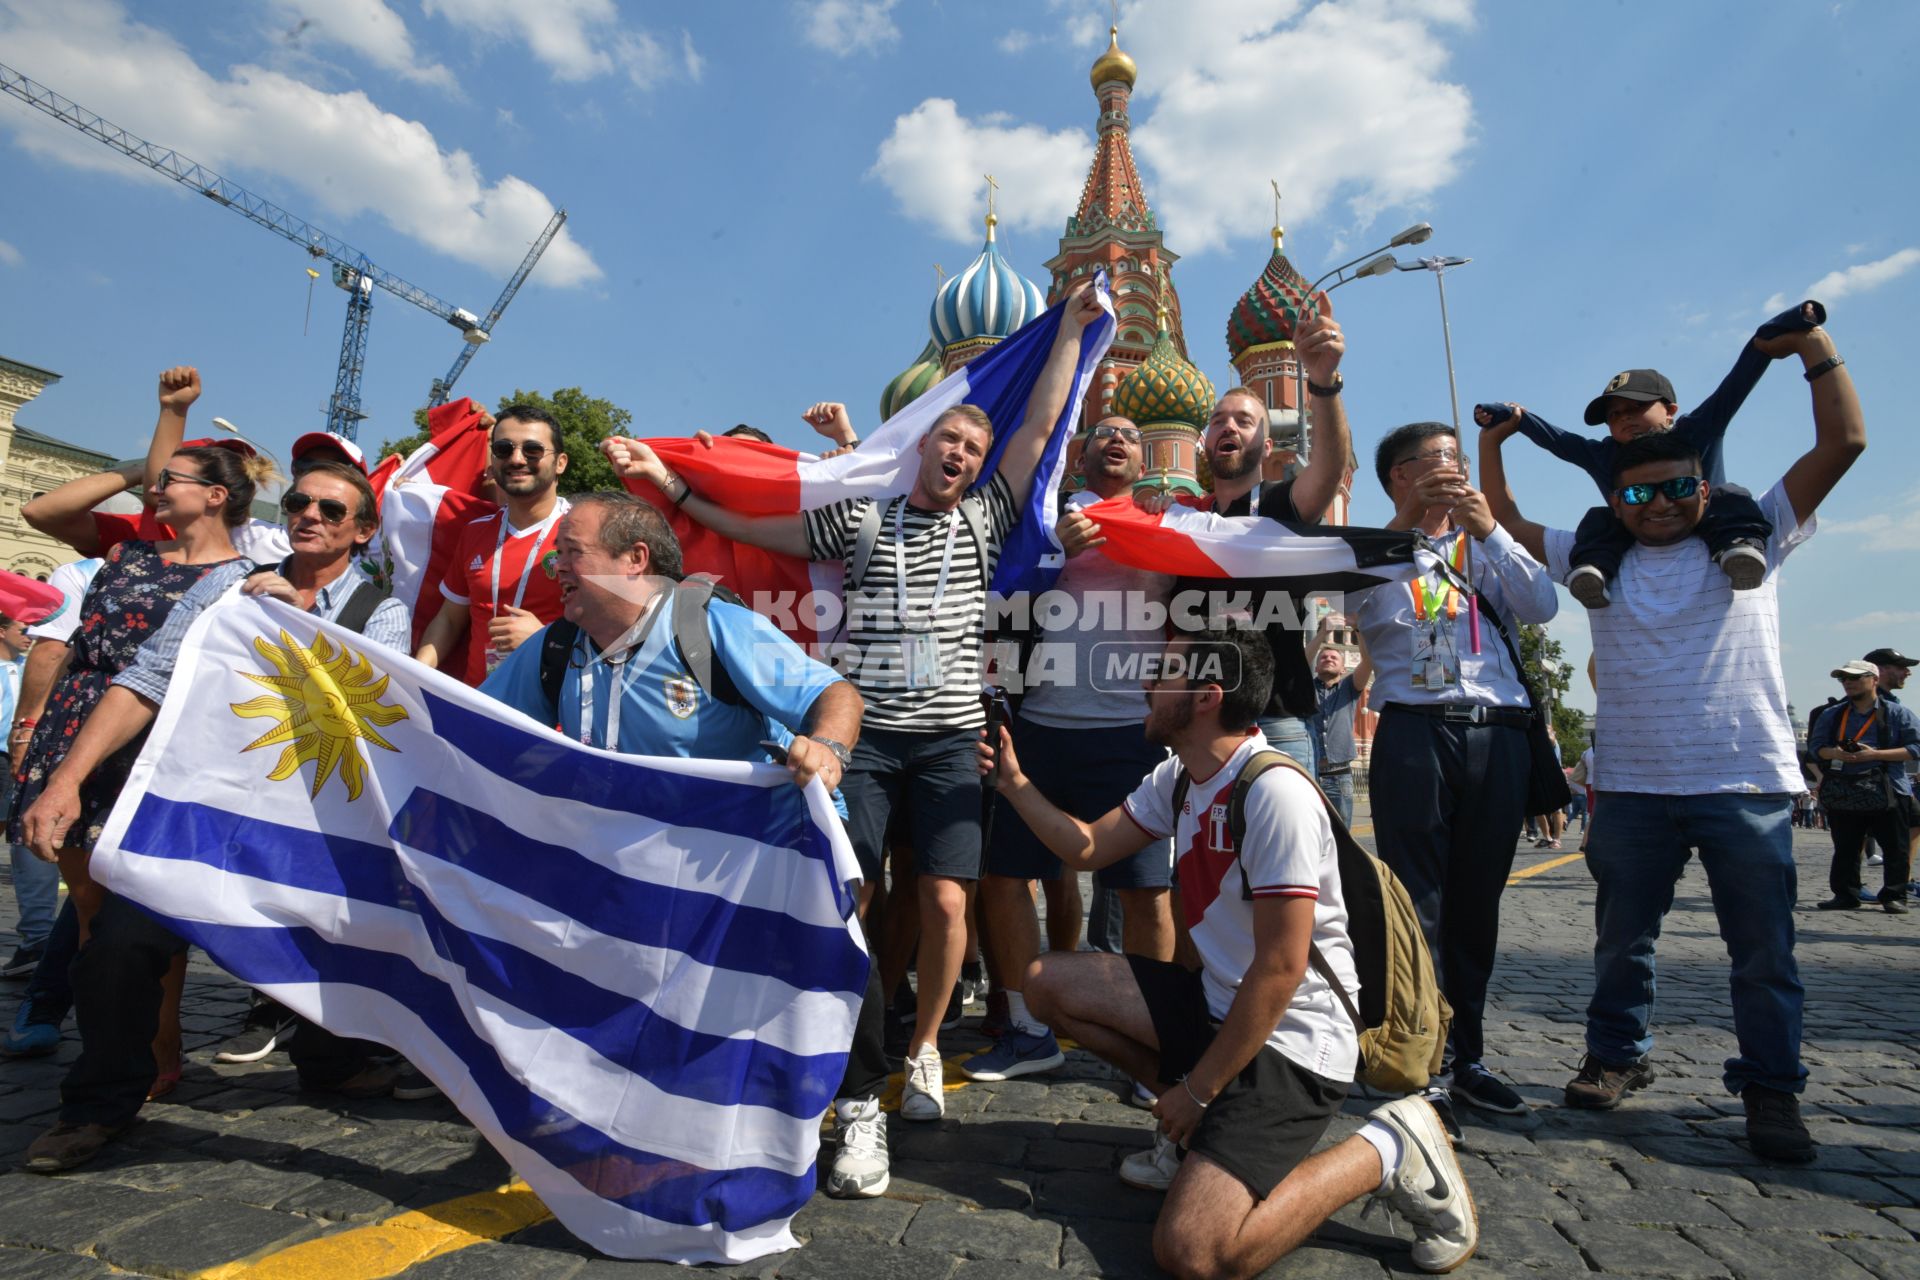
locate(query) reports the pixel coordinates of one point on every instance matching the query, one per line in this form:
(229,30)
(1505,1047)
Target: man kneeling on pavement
(1251,1057)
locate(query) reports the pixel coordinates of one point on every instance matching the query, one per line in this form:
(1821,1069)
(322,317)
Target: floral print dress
(130,597)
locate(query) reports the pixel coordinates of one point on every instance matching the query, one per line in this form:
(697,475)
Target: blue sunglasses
(1677,489)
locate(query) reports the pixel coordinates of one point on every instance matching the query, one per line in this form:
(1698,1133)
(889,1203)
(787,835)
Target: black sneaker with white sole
(1744,565)
(269,1026)
(1479,1088)
(1437,1098)
(23,961)
(412,1085)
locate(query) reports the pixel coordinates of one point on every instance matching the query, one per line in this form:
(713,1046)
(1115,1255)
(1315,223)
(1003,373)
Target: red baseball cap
(240,447)
(325,443)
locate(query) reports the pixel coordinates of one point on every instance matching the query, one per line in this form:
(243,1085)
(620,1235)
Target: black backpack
(692,599)
(360,605)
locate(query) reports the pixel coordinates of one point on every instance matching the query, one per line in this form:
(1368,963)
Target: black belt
(1335,769)
(1466,713)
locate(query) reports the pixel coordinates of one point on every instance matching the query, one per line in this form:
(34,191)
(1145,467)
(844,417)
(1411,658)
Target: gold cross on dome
(992,187)
(1276,200)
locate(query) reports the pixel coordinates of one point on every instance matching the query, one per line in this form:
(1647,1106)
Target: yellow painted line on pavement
(1548,865)
(382,1249)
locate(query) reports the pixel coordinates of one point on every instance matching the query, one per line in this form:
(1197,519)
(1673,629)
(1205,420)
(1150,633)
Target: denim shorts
(1085,772)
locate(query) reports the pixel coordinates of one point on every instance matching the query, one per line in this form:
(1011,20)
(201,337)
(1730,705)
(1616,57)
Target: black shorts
(1268,1118)
(1909,809)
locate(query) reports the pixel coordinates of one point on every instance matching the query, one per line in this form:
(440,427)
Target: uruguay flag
(636,976)
(765,479)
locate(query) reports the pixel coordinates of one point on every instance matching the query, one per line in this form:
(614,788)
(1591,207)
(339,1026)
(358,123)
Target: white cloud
(574,39)
(935,160)
(846,27)
(1897,530)
(369,29)
(9,256)
(340,153)
(1014,42)
(1862,277)
(1346,105)
(1880,618)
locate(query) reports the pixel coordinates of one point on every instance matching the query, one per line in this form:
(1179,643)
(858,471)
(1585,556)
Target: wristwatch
(1327,392)
(839,749)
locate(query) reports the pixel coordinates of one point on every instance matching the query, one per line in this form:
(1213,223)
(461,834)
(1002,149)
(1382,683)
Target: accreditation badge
(920,654)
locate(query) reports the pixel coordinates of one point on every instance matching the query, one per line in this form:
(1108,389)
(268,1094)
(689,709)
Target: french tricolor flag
(425,499)
(764,479)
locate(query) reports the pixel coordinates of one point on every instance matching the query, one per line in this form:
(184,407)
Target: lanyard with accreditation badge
(1436,659)
(919,647)
(539,533)
(619,658)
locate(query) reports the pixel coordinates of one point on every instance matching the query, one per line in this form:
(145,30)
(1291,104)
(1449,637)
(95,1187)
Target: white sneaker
(1428,1189)
(1589,586)
(1152,1170)
(1142,1097)
(859,1169)
(925,1097)
(1876,860)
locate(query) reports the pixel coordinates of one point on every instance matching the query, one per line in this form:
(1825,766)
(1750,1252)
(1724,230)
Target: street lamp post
(1378,263)
(1440,266)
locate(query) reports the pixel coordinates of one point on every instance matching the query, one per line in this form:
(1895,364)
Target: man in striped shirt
(1699,752)
(914,628)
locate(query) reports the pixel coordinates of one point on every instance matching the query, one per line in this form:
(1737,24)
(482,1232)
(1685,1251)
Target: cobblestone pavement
(1017,1183)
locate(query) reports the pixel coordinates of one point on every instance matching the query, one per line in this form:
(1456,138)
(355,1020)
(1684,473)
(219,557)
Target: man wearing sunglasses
(500,585)
(1697,750)
(1082,733)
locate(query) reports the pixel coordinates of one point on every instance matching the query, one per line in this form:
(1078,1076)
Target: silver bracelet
(1192,1094)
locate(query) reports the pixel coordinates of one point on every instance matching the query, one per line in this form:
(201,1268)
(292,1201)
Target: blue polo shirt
(663,711)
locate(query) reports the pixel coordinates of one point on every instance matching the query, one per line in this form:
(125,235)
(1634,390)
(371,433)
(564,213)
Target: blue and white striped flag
(636,976)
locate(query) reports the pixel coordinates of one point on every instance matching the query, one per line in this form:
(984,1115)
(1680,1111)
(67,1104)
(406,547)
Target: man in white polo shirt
(1696,749)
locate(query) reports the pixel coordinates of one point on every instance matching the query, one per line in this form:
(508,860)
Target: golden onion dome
(1113,64)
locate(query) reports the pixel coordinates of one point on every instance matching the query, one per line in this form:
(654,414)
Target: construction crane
(441,386)
(352,270)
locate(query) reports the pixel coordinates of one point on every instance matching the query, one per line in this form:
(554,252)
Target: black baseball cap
(1644,385)
(1890,658)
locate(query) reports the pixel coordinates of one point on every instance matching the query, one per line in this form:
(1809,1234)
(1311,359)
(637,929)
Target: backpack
(359,608)
(1402,1016)
(868,536)
(692,598)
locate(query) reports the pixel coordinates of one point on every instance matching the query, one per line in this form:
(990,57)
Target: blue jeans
(36,884)
(1339,789)
(1292,735)
(1636,854)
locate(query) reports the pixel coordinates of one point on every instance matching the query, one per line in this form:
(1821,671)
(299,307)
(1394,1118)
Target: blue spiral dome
(989,300)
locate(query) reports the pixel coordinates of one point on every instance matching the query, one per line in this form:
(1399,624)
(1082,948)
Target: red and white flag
(1191,543)
(425,500)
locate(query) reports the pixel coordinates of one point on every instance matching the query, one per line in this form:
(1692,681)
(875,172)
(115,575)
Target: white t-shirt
(262,542)
(1692,700)
(73,579)
(1290,854)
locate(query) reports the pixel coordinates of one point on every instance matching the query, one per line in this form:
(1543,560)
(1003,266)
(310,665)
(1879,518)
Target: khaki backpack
(1402,1017)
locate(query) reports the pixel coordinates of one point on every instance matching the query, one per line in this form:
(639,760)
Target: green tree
(1548,670)
(584,422)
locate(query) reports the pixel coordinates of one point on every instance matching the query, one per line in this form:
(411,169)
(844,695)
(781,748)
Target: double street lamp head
(1418,233)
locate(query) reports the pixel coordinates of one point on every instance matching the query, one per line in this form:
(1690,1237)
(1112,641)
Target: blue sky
(759,192)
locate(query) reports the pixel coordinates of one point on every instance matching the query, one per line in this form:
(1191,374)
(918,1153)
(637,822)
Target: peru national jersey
(1290,854)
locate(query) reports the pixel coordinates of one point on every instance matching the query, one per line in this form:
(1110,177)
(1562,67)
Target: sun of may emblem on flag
(326,702)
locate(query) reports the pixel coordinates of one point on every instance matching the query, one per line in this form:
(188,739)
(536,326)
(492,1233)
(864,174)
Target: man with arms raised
(1252,1056)
(915,637)
(1714,768)
(499,587)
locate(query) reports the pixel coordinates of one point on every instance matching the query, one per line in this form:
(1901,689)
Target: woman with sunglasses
(117,991)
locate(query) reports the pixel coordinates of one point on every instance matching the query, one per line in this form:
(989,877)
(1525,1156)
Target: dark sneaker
(956,1009)
(410,1084)
(375,1080)
(269,1026)
(1019,1053)
(1744,566)
(1601,1085)
(1774,1127)
(1478,1087)
(67,1146)
(23,961)
(1437,1097)
(1589,586)
(1894,907)
(1838,904)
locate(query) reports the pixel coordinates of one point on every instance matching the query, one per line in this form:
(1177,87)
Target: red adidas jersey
(529,554)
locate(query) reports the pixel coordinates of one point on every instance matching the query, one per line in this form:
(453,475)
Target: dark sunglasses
(332,510)
(167,477)
(1677,489)
(1130,434)
(531,450)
